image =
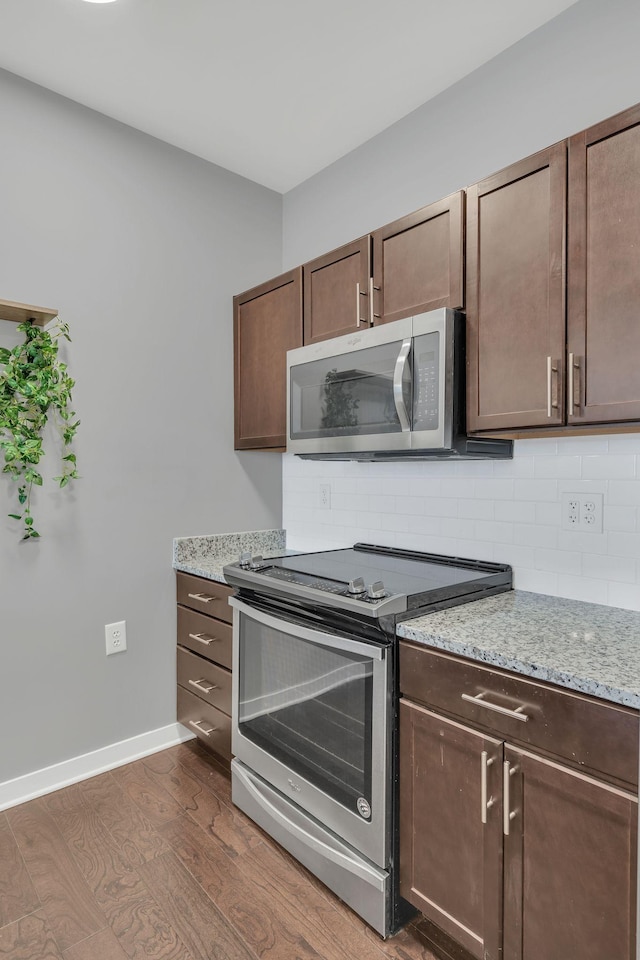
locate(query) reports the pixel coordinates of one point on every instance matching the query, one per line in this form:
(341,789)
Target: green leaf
(15,516)
(28,521)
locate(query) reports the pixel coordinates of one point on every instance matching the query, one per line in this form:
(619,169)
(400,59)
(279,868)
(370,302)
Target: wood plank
(134,916)
(340,930)
(129,826)
(207,934)
(20,312)
(138,784)
(17,894)
(67,901)
(29,938)
(101,946)
(205,767)
(271,932)
(234,832)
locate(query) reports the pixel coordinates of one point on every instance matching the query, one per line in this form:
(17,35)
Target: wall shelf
(21,312)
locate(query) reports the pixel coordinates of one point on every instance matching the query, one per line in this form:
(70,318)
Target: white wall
(141,247)
(574,71)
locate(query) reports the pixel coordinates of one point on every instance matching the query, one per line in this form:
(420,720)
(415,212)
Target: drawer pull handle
(507,815)
(198,725)
(517,714)
(200,637)
(203,597)
(485,762)
(202,686)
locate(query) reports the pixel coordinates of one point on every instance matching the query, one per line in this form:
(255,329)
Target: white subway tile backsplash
(613,467)
(624,544)
(624,595)
(624,492)
(535,535)
(493,531)
(535,490)
(621,518)
(622,569)
(507,511)
(515,511)
(537,581)
(582,588)
(558,467)
(558,561)
(477,509)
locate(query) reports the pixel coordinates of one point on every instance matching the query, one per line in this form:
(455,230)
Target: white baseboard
(59,775)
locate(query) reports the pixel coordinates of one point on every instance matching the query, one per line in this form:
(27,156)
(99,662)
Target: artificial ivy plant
(34,383)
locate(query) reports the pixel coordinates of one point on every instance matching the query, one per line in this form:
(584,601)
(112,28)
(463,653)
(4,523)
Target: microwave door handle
(398,377)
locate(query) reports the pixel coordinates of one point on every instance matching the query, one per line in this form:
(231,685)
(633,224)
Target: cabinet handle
(372,316)
(574,364)
(517,714)
(485,762)
(201,685)
(507,815)
(359,293)
(203,597)
(552,400)
(200,637)
(198,725)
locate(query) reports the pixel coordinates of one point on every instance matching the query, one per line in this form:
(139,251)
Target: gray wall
(141,247)
(572,72)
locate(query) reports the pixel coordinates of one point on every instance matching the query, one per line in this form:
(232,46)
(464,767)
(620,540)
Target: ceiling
(274,90)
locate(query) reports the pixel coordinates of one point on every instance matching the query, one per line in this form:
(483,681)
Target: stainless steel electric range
(315,698)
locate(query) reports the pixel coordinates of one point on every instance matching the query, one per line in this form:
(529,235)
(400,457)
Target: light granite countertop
(587,647)
(206,556)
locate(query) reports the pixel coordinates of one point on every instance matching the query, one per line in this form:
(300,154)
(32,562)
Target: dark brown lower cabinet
(570,864)
(513,855)
(450,861)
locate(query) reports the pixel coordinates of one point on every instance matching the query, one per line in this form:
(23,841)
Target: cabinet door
(516,224)
(267,323)
(417,261)
(336,292)
(570,864)
(604,271)
(450,861)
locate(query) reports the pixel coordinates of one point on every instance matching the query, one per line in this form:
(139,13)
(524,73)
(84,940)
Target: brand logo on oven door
(364,807)
(296,787)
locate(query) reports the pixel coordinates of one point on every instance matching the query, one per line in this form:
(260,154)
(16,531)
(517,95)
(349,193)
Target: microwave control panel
(426,388)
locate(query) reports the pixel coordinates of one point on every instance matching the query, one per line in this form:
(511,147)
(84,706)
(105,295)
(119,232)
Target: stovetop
(373,580)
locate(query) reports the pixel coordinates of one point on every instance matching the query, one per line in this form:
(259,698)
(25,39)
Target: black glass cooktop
(400,580)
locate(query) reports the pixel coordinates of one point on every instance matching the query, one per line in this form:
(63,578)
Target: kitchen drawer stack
(204,661)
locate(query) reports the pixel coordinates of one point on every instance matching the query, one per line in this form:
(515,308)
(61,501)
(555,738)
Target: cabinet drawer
(204,595)
(583,730)
(210,725)
(206,636)
(205,679)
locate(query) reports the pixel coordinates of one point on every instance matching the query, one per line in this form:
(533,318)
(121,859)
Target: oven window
(308,706)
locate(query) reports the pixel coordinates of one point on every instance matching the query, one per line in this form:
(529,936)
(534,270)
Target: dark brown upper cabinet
(516,229)
(267,321)
(604,272)
(418,261)
(336,291)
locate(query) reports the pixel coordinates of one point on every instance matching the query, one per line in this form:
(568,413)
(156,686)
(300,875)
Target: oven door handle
(346,644)
(272,808)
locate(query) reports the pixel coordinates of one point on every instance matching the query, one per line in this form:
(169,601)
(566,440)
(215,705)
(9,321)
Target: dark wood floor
(151,861)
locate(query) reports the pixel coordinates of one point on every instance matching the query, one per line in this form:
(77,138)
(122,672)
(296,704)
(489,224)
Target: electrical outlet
(324,498)
(582,511)
(116,637)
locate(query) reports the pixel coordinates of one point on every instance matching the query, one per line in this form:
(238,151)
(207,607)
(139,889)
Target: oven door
(312,715)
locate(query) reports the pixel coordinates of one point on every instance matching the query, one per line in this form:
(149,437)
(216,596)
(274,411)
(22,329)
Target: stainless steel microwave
(391,392)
